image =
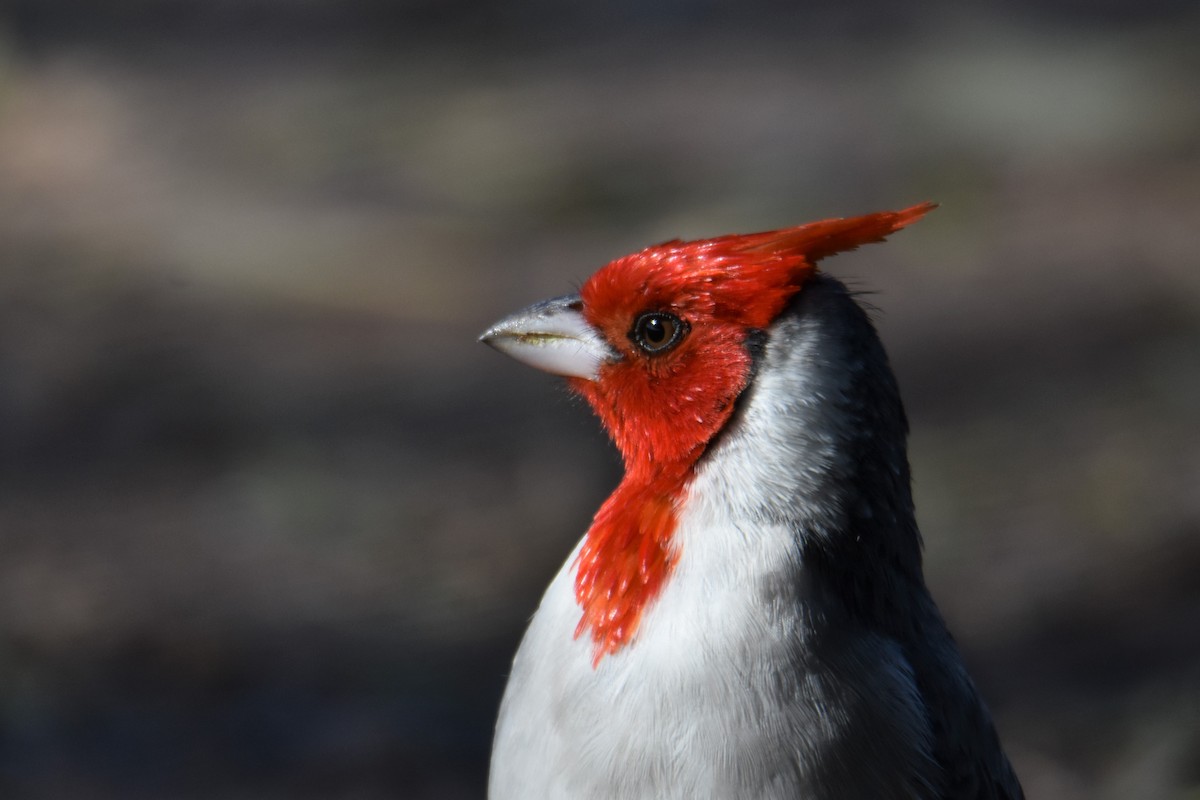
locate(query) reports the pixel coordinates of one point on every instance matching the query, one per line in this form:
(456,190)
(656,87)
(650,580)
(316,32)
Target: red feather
(662,410)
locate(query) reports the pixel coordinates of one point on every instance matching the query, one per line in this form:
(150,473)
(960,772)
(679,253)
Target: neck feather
(818,446)
(816,443)
(628,555)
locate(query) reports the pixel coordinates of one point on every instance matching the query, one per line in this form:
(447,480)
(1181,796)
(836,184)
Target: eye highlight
(658,331)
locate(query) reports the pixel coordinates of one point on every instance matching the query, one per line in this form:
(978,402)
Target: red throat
(663,410)
(625,559)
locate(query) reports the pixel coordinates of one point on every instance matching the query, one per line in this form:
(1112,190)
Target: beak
(552,336)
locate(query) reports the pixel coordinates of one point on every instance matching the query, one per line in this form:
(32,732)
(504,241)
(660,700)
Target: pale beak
(552,336)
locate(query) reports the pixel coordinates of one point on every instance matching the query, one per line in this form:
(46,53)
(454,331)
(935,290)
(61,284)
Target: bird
(746,616)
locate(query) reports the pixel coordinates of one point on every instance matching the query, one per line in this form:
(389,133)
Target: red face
(679,316)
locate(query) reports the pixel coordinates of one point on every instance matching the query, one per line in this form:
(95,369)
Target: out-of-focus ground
(271,522)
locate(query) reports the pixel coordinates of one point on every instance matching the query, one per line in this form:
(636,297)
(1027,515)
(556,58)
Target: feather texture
(747,615)
(662,410)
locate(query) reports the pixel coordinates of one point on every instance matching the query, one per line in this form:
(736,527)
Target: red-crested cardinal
(746,617)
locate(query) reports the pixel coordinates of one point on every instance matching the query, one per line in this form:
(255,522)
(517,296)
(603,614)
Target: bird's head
(661,344)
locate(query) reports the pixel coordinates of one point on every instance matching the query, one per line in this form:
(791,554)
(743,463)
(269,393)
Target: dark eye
(658,331)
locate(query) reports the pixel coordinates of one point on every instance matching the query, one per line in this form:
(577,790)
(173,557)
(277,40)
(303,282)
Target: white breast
(662,717)
(735,685)
(713,698)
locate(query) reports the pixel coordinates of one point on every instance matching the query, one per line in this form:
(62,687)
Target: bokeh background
(271,522)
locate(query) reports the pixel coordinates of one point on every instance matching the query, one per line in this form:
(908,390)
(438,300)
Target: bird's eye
(657,331)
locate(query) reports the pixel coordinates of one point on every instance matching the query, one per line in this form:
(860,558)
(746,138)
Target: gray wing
(965,742)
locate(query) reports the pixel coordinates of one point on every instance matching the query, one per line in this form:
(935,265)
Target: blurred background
(271,522)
